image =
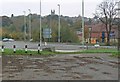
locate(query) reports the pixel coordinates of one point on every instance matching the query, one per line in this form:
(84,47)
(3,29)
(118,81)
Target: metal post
(59,24)
(90,28)
(30,33)
(40,27)
(26,48)
(24,26)
(38,48)
(2,48)
(14,48)
(83,22)
(118,26)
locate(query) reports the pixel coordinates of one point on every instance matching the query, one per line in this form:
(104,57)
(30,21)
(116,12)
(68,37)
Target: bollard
(38,48)
(25,48)
(14,48)
(2,48)
(87,45)
(45,44)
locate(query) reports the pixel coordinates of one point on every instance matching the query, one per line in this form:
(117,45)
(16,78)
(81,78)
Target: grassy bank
(114,52)
(100,50)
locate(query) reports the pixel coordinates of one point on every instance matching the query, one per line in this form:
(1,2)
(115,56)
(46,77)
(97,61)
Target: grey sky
(68,7)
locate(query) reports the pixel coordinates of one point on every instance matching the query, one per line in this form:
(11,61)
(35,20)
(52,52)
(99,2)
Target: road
(57,46)
(34,45)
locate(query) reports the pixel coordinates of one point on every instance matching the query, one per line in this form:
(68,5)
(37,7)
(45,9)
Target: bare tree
(106,12)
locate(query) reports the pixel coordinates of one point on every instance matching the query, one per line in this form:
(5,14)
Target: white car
(97,45)
(8,40)
(5,40)
(11,40)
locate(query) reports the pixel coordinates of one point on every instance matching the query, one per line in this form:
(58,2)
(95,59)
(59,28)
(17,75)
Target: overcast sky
(68,7)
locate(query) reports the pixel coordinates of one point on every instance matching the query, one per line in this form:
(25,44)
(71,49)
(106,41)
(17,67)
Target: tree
(106,13)
(6,21)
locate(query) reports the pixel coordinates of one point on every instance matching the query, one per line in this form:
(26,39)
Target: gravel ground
(60,67)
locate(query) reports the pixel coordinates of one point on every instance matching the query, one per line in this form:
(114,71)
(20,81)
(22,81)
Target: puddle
(85,76)
(56,64)
(106,73)
(66,75)
(76,76)
(30,67)
(92,68)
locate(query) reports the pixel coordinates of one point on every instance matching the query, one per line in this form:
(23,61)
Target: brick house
(96,33)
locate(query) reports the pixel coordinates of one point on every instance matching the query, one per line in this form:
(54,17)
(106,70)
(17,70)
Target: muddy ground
(60,67)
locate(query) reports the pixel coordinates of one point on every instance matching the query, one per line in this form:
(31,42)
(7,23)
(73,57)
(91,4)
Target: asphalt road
(57,46)
(34,45)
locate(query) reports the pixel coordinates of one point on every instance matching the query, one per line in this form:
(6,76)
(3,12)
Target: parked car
(8,40)
(97,45)
(11,40)
(5,40)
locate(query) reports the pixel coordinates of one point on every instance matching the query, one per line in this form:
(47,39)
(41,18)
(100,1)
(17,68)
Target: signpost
(103,37)
(47,33)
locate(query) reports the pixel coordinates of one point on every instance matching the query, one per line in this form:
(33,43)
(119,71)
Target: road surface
(58,46)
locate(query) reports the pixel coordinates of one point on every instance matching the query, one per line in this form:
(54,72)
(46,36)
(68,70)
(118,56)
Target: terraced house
(97,33)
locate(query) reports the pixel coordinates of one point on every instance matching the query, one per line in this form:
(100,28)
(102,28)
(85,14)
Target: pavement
(60,67)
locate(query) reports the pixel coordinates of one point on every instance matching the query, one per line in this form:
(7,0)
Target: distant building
(79,34)
(98,33)
(52,12)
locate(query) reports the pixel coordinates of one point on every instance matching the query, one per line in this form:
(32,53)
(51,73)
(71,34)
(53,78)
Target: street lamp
(30,33)
(83,22)
(24,26)
(40,28)
(118,25)
(59,24)
(119,9)
(90,28)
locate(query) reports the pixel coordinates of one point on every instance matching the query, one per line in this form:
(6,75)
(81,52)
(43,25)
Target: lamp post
(40,28)
(83,22)
(59,24)
(90,28)
(118,25)
(30,33)
(24,26)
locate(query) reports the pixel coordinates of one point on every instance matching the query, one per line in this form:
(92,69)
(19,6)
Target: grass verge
(100,50)
(114,52)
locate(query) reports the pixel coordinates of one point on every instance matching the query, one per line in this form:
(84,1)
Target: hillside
(13,27)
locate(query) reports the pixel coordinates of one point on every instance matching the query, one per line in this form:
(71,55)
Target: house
(79,34)
(97,33)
